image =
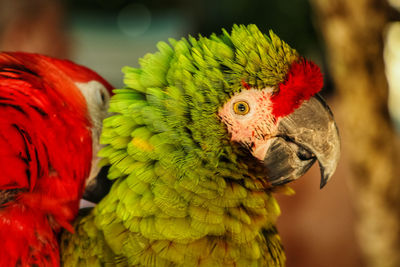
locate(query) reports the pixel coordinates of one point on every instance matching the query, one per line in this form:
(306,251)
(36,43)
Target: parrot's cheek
(260,150)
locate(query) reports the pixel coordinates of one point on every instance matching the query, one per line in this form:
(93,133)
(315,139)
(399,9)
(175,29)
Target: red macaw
(51,113)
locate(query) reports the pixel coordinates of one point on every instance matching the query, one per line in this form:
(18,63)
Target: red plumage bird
(50,120)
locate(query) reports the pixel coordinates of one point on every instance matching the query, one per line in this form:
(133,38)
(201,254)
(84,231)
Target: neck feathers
(194,215)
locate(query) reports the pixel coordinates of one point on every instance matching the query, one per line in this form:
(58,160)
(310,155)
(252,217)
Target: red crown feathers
(303,81)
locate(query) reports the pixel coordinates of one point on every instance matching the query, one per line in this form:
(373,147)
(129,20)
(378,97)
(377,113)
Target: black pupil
(241,107)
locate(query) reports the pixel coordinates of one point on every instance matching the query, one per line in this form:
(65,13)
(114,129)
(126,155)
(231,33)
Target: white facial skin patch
(97,100)
(249,120)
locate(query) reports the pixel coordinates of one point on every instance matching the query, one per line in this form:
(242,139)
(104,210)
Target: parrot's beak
(98,187)
(308,134)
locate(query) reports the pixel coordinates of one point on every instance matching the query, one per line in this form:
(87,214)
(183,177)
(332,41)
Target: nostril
(304,154)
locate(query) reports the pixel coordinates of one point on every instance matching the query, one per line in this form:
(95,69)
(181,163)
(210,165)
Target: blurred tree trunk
(353,34)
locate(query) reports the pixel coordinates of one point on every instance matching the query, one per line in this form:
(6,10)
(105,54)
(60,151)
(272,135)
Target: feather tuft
(303,81)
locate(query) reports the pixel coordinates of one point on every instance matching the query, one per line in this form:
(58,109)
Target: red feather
(45,154)
(303,81)
(246,85)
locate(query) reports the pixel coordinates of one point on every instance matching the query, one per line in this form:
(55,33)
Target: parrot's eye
(102,96)
(241,107)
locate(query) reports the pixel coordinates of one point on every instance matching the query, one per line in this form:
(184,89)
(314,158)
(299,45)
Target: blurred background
(318,227)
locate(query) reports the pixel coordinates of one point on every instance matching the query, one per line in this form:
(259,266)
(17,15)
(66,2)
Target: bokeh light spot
(134,20)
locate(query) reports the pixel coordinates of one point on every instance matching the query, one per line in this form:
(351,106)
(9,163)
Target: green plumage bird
(203,133)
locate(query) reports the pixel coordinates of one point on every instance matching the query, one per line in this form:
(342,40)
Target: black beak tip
(99,187)
(323,183)
(324,177)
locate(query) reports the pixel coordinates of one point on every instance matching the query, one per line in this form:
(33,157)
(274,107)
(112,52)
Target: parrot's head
(285,126)
(51,115)
(272,110)
(96,92)
(73,96)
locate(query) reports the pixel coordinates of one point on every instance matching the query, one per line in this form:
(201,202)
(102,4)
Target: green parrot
(200,137)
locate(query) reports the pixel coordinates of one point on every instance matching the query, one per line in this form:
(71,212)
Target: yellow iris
(241,108)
